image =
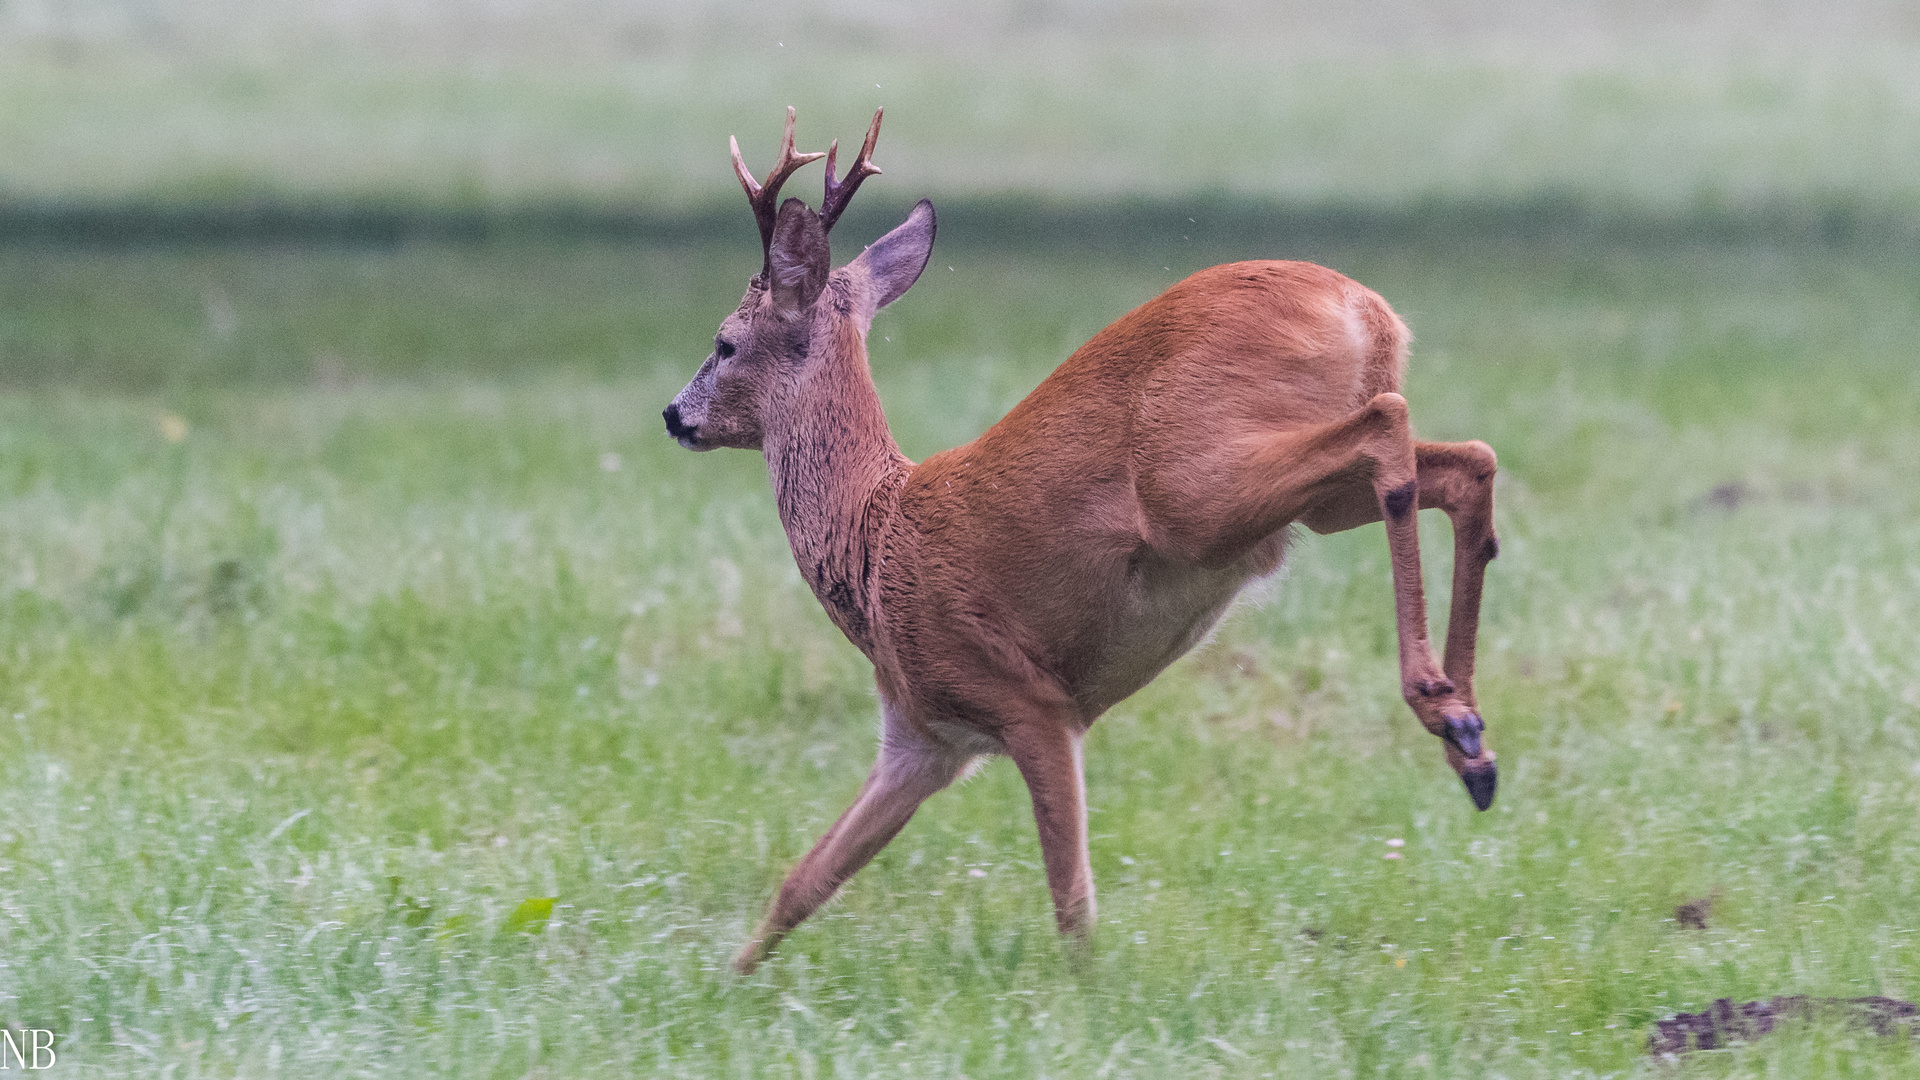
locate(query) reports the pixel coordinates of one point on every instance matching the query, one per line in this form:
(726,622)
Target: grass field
(354,606)
(1615,104)
(383,693)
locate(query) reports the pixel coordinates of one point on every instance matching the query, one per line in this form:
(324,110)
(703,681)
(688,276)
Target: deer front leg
(1047,753)
(907,772)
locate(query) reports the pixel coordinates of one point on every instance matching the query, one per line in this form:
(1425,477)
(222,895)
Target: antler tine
(765,198)
(840,194)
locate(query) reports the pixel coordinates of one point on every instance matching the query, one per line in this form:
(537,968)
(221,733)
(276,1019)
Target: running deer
(1011,590)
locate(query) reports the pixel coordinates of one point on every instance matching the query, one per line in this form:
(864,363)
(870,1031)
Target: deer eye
(722,348)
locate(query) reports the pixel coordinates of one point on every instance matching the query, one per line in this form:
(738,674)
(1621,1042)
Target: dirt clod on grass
(1726,1023)
(1693,914)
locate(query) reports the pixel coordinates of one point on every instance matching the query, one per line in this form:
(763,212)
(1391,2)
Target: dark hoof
(1463,731)
(1480,781)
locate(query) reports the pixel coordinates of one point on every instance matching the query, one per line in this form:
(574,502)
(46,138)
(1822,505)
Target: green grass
(382,692)
(301,710)
(1615,104)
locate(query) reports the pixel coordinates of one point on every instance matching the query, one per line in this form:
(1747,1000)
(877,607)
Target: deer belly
(1165,612)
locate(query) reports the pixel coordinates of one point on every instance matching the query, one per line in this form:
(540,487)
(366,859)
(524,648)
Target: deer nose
(687,434)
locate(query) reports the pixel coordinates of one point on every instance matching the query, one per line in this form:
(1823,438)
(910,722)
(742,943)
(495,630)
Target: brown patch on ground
(1693,914)
(1726,1023)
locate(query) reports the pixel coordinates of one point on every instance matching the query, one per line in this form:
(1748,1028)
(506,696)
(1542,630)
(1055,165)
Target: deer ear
(799,256)
(893,263)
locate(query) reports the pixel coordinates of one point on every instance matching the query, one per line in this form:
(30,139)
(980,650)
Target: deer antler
(838,195)
(765,198)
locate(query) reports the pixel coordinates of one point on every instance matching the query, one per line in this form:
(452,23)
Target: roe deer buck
(1011,590)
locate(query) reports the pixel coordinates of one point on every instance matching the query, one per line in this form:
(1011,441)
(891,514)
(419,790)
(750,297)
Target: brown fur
(1011,590)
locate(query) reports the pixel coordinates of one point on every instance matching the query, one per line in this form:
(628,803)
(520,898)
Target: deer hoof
(1463,731)
(1480,781)
(751,956)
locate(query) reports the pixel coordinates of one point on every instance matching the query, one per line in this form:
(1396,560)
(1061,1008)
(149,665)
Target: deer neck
(835,469)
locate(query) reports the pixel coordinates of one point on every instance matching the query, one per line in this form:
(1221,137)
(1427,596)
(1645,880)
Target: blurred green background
(1616,106)
(383,693)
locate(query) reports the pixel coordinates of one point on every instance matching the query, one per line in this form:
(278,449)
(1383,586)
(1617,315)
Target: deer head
(790,320)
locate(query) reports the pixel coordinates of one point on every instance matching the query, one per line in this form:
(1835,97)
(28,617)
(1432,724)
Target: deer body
(1011,590)
(1065,531)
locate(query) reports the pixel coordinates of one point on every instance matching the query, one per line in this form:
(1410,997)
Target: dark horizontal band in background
(1003,221)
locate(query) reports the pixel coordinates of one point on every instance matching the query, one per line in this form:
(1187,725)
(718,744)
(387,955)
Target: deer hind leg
(1457,478)
(907,772)
(1333,477)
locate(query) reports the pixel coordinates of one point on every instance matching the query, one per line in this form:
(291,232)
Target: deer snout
(687,434)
